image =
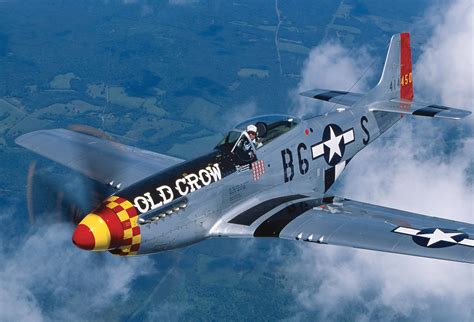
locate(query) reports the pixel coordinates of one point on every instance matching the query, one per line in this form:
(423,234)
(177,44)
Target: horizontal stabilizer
(418,108)
(337,97)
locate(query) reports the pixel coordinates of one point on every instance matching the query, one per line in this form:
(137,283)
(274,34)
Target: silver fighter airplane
(268,177)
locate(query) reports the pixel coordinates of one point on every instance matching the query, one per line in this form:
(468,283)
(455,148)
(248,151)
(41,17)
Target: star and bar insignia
(436,237)
(333,144)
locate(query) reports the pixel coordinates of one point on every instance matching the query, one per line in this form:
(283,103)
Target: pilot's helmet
(252,129)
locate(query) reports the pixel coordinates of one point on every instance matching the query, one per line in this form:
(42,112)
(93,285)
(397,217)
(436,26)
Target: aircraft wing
(345,222)
(99,159)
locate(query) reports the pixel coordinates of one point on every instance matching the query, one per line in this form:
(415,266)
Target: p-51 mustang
(272,186)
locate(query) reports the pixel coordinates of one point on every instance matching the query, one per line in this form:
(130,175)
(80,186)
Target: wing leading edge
(345,222)
(99,159)
(333,96)
(419,109)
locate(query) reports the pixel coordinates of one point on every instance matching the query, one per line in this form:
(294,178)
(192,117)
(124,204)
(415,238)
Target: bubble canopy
(269,127)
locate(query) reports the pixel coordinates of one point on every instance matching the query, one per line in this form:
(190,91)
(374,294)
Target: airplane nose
(113,226)
(92,233)
(83,238)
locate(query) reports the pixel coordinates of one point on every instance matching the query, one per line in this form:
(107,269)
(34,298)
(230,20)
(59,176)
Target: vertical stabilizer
(396,81)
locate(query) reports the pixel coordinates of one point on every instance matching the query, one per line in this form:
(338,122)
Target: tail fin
(396,81)
(394,91)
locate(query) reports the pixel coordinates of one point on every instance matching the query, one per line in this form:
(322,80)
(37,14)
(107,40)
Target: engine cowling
(113,226)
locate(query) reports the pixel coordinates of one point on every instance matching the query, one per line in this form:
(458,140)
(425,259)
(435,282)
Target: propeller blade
(69,201)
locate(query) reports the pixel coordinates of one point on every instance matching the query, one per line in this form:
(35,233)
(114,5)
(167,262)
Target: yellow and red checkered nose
(113,226)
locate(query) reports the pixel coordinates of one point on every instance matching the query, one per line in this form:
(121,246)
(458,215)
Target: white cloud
(331,66)
(18,304)
(47,270)
(407,169)
(390,174)
(237,114)
(447,61)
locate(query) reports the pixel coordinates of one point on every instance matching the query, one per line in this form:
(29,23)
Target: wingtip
(455,114)
(22,138)
(306,94)
(313,92)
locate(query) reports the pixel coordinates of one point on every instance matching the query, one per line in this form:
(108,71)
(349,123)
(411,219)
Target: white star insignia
(333,144)
(438,235)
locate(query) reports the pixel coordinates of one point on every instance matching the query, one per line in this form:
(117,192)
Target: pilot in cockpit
(252,134)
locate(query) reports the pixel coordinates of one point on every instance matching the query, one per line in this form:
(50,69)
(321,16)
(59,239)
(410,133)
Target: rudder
(396,81)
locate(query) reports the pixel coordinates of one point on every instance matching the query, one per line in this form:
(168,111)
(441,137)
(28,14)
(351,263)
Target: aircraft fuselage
(310,157)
